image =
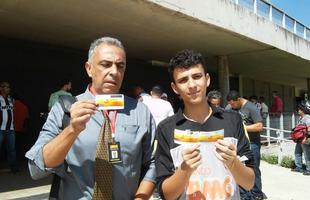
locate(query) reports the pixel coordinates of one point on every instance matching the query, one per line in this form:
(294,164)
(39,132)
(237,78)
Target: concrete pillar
(240,84)
(308,87)
(223,71)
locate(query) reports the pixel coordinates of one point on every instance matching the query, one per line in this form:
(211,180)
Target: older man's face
(106,69)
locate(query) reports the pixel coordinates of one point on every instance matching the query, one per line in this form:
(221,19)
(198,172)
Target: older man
(71,153)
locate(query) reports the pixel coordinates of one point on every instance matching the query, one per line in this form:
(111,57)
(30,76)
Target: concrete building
(248,44)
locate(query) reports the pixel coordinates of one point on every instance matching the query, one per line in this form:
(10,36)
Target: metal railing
(277,16)
(284,121)
(279,139)
(277,129)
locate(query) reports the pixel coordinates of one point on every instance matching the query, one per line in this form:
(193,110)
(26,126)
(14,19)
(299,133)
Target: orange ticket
(110,101)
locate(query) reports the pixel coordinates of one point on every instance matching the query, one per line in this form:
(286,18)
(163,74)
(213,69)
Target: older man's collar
(88,93)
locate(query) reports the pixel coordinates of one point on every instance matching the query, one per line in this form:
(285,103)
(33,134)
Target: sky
(298,9)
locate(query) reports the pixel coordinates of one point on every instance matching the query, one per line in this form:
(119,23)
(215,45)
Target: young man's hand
(191,158)
(226,152)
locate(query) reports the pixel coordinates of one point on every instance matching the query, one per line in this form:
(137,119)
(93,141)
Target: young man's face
(191,84)
(106,69)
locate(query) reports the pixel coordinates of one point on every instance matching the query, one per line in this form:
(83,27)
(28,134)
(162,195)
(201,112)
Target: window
(247,3)
(263,8)
(277,16)
(289,23)
(300,29)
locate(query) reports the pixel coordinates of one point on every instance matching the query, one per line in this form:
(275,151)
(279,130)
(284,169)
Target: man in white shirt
(159,108)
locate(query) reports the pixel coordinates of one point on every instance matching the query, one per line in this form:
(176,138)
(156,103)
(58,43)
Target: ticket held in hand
(110,101)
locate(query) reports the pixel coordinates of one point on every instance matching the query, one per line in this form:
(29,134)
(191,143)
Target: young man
(190,178)
(254,125)
(71,153)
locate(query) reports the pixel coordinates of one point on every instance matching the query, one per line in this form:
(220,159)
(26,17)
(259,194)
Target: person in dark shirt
(253,124)
(190,80)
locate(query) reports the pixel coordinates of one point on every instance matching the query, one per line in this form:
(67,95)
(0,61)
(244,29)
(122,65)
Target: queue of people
(128,151)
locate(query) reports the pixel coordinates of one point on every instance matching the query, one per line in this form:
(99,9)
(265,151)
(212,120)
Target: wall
(262,88)
(34,69)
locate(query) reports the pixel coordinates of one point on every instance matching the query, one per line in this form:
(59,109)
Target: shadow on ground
(21,180)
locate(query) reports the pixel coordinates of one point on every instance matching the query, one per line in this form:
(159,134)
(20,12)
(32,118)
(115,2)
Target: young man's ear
(88,67)
(208,79)
(174,88)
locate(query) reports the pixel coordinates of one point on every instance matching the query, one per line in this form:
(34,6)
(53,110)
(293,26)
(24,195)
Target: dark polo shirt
(230,121)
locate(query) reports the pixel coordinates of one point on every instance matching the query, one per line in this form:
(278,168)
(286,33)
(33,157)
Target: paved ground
(278,183)
(20,185)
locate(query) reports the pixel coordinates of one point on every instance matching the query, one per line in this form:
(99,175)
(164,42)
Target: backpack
(299,133)
(65,102)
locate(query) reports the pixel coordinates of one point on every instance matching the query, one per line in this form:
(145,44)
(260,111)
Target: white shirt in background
(159,108)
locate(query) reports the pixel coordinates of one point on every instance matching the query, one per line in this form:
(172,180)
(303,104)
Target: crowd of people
(202,150)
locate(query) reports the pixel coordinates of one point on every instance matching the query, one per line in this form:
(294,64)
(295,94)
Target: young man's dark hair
(185,59)
(233,95)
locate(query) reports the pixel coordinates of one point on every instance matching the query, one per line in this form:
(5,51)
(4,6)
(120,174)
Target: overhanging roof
(149,32)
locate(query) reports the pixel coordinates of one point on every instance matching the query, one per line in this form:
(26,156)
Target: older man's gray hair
(104,40)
